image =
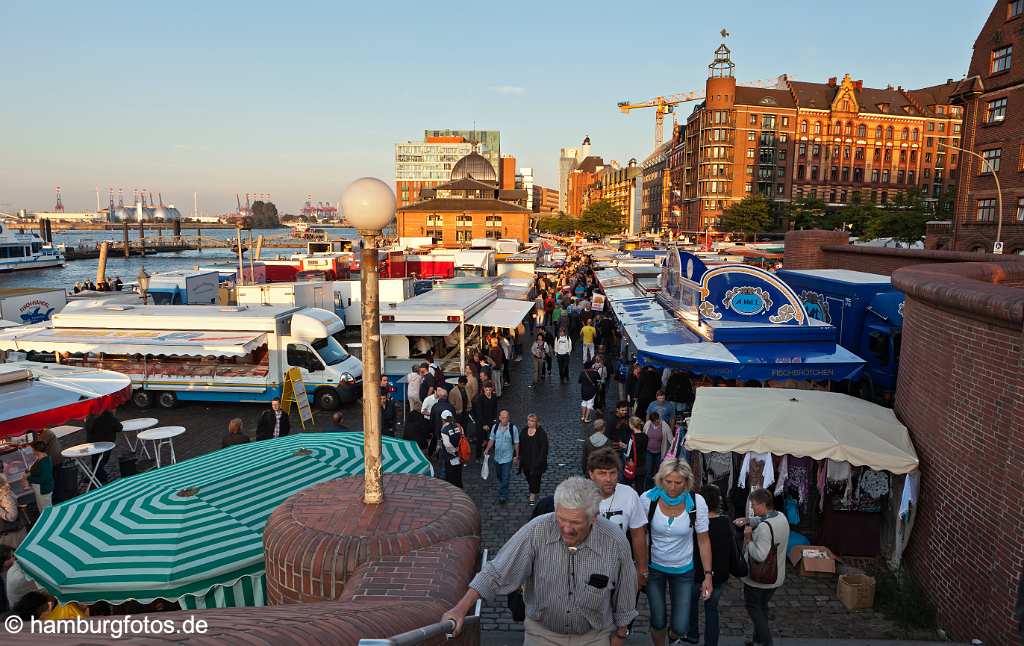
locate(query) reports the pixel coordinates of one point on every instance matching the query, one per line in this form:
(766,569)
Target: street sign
(295,391)
(997,248)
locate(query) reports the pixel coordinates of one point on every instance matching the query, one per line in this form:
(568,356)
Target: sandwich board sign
(295,391)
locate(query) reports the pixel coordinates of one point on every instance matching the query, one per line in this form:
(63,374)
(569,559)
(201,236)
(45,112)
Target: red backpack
(465,451)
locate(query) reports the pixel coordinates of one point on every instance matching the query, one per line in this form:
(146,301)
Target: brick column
(804,248)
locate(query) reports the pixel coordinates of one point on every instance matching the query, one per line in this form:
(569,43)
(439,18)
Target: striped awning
(191,532)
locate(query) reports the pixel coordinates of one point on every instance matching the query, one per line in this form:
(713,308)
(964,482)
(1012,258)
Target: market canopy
(413,328)
(671,344)
(190,532)
(177,343)
(39,395)
(803,423)
(504,312)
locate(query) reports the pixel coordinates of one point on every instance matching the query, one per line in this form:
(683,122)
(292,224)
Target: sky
(302,98)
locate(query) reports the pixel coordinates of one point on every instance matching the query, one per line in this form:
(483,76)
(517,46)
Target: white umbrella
(802,423)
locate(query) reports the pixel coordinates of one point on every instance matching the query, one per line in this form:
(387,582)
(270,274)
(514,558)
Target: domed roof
(476,166)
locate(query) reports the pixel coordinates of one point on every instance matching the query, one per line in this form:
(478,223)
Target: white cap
(446,414)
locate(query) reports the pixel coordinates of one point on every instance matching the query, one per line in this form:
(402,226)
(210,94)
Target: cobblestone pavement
(805,607)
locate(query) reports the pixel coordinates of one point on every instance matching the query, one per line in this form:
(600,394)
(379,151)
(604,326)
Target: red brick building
(992,95)
(836,141)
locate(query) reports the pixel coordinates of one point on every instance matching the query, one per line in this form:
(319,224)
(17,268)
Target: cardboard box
(813,560)
(856,591)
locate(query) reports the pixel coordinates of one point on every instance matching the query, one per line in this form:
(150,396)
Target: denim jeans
(711,631)
(680,586)
(756,600)
(504,477)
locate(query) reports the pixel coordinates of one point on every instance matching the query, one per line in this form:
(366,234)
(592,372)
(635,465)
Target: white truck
(184,287)
(475,262)
(25,305)
(348,297)
(200,353)
(301,294)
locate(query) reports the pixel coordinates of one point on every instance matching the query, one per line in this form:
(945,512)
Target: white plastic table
(134,426)
(82,451)
(159,437)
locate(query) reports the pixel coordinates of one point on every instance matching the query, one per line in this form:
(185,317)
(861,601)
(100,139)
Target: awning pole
(462,347)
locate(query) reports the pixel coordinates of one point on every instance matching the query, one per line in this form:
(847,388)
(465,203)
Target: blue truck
(867,313)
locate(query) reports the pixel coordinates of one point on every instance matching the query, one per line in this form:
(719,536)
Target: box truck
(184,287)
(867,313)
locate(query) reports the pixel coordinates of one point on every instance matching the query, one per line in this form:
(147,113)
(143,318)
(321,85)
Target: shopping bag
(485,470)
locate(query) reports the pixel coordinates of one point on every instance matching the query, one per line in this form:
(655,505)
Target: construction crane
(662,105)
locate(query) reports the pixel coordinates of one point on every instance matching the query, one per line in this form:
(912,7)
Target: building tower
(720,93)
(585,148)
(59,207)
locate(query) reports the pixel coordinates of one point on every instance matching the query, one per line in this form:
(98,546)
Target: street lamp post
(987,165)
(143,279)
(369,205)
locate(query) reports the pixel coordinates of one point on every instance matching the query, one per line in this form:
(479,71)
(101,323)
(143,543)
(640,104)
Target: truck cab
(880,346)
(332,376)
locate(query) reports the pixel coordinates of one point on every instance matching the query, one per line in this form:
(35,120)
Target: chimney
(832,81)
(859,85)
(948,81)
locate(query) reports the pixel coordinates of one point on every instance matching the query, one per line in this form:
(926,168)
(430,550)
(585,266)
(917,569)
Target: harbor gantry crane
(662,105)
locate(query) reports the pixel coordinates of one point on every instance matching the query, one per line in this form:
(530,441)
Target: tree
(752,215)
(264,215)
(903,220)
(853,217)
(601,218)
(806,213)
(559,225)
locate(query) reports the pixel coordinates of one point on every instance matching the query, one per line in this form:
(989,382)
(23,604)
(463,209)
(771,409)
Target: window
(463,220)
(986,210)
(877,155)
(888,132)
(801,171)
(803,127)
(493,221)
(885,176)
(751,135)
(927,158)
(878,132)
(846,153)
(930,142)
(992,158)
(859,155)
(888,154)
(915,135)
(1016,8)
(750,153)
(858,174)
(913,156)
(849,128)
(900,176)
(753,119)
(832,196)
(862,130)
(911,178)
(463,236)
(996,110)
(750,171)
(903,156)
(834,175)
(1020,202)
(885,197)
(781,171)
(816,150)
(846,174)
(1002,58)
(434,221)
(783,138)
(874,175)
(721,116)
(814,172)
(768,122)
(785,121)
(905,134)
(780,189)
(802,150)
(782,155)
(300,356)
(817,127)
(748,187)
(942,127)
(838,130)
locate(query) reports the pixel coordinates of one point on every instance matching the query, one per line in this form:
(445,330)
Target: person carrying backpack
(452,439)
(678,526)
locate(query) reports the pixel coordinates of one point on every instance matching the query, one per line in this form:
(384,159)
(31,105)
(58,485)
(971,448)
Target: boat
(26,251)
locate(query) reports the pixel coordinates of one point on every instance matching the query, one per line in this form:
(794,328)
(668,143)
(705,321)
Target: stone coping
(973,288)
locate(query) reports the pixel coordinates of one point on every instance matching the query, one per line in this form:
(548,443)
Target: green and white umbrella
(191,532)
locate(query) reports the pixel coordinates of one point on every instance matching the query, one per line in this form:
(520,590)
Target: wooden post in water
(241,265)
(199,237)
(142,238)
(252,262)
(127,241)
(101,267)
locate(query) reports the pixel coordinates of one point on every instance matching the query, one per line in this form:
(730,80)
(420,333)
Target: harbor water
(117,265)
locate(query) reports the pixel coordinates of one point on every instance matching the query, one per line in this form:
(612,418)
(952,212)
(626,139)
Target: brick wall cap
(938,255)
(971,287)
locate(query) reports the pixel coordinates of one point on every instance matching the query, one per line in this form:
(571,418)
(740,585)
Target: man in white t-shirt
(621,505)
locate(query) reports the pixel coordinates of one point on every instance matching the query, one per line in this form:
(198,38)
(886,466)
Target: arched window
(803,127)
(888,132)
(878,132)
(862,130)
(838,129)
(914,136)
(849,128)
(817,127)
(905,134)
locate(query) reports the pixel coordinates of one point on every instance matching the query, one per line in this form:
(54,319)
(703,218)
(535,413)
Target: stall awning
(624,292)
(169,343)
(803,423)
(637,311)
(504,312)
(670,344)
(417,329)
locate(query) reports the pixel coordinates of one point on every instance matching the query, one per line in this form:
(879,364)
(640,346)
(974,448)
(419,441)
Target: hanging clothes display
(799,476)
(719,470)
(768,469)
(780,481)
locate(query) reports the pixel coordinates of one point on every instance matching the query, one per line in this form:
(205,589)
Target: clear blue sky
(295,98)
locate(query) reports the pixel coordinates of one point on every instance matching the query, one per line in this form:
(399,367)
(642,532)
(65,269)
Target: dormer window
(883,107)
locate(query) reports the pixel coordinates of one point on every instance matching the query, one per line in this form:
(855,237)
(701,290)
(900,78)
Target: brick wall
(815,249)
(961,393)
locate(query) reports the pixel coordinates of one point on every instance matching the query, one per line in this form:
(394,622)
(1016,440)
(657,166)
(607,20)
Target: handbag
(629,469)
(766,572)
(673,450)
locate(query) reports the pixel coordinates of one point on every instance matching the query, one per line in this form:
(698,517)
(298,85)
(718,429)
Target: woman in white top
(678,521)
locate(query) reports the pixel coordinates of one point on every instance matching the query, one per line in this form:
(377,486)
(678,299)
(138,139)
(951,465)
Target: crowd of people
(635,522)
(107,285)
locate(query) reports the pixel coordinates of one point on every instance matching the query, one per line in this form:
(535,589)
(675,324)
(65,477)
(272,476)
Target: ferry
(26,251)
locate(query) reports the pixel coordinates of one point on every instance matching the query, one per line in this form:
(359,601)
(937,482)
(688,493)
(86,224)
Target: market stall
(846,466)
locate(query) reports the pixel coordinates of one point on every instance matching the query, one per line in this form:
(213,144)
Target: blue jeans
(710,615)
(504,478)
(680,586)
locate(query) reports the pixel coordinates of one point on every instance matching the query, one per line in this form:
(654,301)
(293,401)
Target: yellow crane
(662,105)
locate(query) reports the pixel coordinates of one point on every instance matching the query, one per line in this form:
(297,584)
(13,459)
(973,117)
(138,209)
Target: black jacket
(533,451)
(265,427)
(485,411)
(102,428)
(589,381)
(725,554)
(650,384)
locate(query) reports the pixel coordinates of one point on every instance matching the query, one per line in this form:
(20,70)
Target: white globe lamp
(368,204)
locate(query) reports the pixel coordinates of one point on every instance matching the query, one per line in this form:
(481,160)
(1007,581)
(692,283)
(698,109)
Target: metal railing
(424,633)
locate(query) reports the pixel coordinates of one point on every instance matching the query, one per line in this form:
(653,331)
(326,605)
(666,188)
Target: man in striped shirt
(580,580)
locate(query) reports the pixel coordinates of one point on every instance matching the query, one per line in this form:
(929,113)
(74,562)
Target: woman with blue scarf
(677,524)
